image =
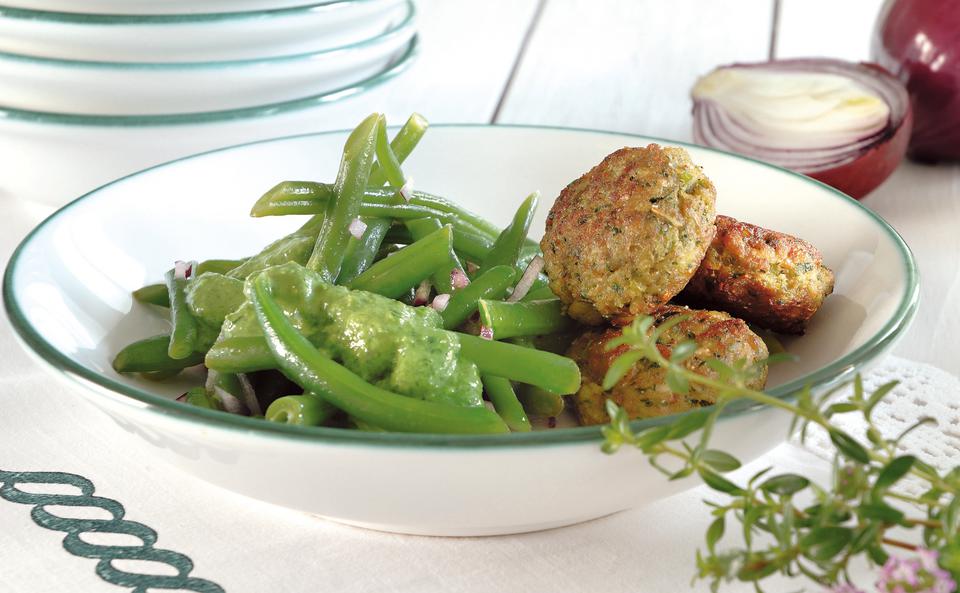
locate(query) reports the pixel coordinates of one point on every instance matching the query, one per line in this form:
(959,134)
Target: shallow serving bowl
(116,88)
(67,292)
(196,38)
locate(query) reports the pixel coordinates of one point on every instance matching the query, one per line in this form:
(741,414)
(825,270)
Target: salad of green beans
(388,309)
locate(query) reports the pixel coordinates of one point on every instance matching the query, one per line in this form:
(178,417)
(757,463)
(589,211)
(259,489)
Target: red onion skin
(860,177)
(919,42)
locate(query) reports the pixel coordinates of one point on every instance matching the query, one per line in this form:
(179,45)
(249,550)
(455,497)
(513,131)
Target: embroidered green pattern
(73,527)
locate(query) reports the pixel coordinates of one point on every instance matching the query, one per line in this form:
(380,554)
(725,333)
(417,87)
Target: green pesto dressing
(397,347)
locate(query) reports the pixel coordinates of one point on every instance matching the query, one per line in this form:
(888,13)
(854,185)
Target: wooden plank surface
(922,202)
(629,66)
(467,51)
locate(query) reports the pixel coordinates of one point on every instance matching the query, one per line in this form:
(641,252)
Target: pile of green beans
(411,240)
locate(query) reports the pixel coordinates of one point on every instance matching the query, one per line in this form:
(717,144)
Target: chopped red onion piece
(249,395)
(526,281)
(182,270)
(458,278)
(486,332)
(357,228)
(230,402)
(422,294)
(440,301)
(406,192)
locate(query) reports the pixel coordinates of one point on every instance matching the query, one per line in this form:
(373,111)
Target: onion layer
(842,123)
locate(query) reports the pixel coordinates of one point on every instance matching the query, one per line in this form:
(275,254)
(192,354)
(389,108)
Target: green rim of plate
(86,18)
(397,30)
(825,377)
(209,117)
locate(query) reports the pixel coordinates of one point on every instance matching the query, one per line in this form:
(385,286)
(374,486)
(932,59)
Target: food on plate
(643,391)
(359,307)
(844,123)
(391,309)
(769,279)
(625,237)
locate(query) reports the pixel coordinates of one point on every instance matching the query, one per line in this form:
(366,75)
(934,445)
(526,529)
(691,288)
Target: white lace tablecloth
(923,391)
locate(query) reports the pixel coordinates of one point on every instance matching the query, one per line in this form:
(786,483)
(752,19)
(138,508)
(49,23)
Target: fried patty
(770,279)
(627,236)
(643,391)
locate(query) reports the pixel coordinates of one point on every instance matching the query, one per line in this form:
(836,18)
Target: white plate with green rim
(67,292)
(196,38)
(156,7)
(162,88)
(125,144)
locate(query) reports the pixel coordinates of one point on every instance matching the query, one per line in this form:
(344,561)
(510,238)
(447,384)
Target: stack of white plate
(143,66)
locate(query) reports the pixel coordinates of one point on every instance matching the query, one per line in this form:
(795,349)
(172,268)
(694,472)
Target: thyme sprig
(818,538)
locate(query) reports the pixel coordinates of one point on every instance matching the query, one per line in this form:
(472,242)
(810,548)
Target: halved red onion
(440,301)
(422,295)
(458,278)
(357,228)
(530,275)
(842,123)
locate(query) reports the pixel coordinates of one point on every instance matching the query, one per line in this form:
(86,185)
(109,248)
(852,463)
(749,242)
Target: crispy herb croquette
(627,236)
(643,391)
(770,279)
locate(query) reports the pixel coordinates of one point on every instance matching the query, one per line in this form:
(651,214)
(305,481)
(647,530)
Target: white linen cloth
(237,544)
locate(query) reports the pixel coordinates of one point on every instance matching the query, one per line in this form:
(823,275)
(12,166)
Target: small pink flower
(915,575)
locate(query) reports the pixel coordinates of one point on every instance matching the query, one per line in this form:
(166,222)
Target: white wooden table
(628,65)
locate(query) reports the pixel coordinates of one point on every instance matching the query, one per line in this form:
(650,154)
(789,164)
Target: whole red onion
(919,42)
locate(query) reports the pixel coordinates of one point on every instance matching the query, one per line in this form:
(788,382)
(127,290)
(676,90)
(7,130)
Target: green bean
(386,158)
(304,410)
(219,266)
(506,249)
(199,397)
(544,369)
(402,145)
(310,197)
(531,318)
(504,399)
(301,361)
(183,337)
(150,356)
(491,285)
(361,253)
(442,278)
(399,235)
(539,293)
(153,294)
(393,276)
(471,246)
(538,402)
(352,179)
(156,294)
(240,355)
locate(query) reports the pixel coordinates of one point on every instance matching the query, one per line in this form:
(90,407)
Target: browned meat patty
(770,279)
(627,236)
(643,391)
